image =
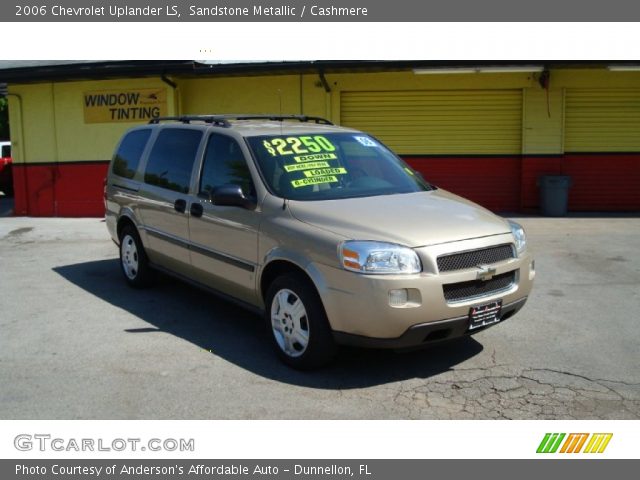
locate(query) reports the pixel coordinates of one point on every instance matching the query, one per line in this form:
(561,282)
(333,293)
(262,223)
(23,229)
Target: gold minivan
(322,228)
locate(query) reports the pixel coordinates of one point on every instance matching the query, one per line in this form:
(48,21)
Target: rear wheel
(133,259)
(297,323)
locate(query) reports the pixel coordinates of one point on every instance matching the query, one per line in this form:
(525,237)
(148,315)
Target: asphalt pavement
(77,343)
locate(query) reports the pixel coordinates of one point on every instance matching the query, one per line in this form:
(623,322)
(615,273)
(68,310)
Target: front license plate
(483,315)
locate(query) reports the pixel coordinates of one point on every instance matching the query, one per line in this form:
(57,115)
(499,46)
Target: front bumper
(426,333)
(358,305)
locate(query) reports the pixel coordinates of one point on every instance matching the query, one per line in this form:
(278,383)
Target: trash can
(554,194)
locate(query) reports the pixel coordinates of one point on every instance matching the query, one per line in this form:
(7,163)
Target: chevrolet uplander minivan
(322,228)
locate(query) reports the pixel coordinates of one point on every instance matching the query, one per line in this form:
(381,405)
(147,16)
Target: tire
(297,323)
(133,259)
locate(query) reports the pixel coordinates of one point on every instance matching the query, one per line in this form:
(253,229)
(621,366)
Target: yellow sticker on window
(321,172)
(305,182)
(318,156)
(305,166)
(297,145)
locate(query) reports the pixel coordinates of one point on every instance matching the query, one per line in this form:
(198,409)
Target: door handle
(196,210)
(180,205)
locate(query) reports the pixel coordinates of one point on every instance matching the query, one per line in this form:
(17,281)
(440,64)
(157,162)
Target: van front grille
(473,258)
(455,292)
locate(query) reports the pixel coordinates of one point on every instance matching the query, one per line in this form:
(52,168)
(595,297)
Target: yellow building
(484,131)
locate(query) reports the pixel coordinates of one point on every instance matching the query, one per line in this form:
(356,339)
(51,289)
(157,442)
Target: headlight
(519,236)
(378,258)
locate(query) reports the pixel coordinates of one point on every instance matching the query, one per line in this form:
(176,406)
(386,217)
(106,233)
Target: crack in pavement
(507,392)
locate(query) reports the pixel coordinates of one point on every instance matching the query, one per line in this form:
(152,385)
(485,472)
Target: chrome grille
(473,258)
(454,292)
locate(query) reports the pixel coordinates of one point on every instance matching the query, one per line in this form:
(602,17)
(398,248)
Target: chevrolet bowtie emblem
(485,272)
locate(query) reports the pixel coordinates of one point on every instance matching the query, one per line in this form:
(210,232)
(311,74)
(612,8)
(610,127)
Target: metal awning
(34,71)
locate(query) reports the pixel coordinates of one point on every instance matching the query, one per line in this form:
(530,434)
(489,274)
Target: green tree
(4,118)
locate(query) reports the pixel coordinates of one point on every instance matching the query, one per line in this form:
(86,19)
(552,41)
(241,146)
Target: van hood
(411,219)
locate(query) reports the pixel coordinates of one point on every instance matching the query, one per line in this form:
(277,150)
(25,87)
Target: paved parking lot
(76,342)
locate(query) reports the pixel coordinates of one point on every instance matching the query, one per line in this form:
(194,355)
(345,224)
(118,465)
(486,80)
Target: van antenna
(280,106)
(284,200)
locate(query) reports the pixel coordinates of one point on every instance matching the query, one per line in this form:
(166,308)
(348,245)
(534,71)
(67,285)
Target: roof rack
(223,120)
(300,118)
(212,119)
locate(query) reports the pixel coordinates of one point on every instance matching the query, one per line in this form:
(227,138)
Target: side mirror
(231,196)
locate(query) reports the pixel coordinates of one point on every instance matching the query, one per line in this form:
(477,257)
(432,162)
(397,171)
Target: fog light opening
(399,297)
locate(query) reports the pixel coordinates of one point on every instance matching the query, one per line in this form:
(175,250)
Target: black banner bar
(320,11)
(330,469)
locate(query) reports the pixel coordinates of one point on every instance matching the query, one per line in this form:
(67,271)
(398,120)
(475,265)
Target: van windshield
(332,166)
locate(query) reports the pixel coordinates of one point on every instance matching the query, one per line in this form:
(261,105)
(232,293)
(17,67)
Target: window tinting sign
(114,106)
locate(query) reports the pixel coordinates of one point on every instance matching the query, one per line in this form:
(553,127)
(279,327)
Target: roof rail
(223,120)
(212,119)
(300,118)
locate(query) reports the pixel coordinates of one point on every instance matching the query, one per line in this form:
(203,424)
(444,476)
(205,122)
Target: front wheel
(133,259)
(298,324)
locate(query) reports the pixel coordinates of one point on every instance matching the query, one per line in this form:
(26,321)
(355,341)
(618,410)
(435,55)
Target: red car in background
(6,182)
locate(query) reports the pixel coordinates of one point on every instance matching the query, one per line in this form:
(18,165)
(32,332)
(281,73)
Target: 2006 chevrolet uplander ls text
(322,228)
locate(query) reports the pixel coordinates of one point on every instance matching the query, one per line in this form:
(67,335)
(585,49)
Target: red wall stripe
(601,182)
(493,182)
(604,182)
(62,190)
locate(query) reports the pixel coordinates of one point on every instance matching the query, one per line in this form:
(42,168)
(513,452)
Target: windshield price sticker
(298,145)
(366,141)
(318,156)
(305,182)
(305,166)
(323,172)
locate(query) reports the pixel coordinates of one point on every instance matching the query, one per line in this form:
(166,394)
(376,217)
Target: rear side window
(127,158)
(171,159)
(224,163)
